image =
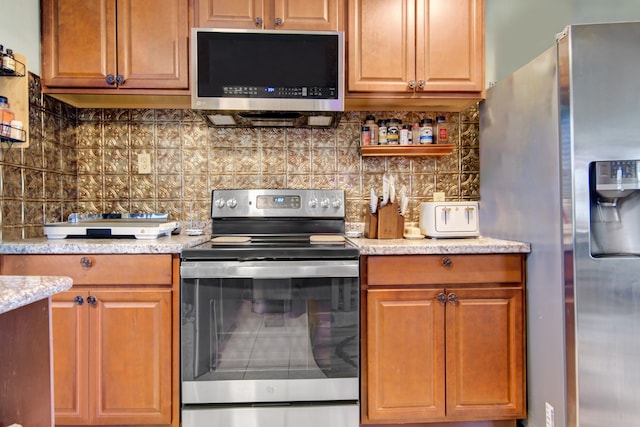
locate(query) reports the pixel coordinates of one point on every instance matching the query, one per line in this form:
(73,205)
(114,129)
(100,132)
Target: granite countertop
(17,291)
(479,245)
(162,245)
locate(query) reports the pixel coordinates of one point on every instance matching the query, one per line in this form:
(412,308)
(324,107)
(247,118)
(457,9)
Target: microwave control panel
(280,92)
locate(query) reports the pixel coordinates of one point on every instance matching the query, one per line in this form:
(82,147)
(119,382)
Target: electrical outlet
(438,196)
(144,163)
(549,414)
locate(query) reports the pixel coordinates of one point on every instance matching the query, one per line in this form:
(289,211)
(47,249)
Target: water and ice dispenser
(615,208)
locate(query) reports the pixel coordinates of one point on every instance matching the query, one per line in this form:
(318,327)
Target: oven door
(269,331)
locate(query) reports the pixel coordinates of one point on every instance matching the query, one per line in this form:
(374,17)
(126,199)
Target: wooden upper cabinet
(270,14)
(115,44)
(416,46)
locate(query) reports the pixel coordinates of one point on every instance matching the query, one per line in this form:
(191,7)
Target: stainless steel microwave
(267,72)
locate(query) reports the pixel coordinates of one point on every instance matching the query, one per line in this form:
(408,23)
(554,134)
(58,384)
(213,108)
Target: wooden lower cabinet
(115,344)
(438,353)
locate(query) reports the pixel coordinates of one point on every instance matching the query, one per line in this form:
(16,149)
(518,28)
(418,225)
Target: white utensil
(385,190)
(373,203)
(392,189)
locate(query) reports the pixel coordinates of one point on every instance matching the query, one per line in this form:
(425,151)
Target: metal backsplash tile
(86,160)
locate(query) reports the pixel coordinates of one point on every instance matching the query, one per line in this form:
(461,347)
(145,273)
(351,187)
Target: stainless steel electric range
(270,313)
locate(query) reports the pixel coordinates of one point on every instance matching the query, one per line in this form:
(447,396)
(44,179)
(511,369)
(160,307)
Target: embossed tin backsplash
(85,160)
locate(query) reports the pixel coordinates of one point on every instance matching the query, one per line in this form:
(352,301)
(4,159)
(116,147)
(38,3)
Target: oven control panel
(277,203)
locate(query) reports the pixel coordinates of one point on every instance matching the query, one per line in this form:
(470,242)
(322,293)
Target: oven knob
(313,203)
(219,203)
(325,203)
(337,203)
(232,203)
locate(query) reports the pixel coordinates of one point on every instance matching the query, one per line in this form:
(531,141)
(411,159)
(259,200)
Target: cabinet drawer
(94,269)
(443,269)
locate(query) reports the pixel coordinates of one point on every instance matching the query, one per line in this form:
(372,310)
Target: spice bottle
(9,62)
(405,133)
(365,136)
(6,116)
(382,132)
(426,131)
(393,131)
(442,130)
(370,121)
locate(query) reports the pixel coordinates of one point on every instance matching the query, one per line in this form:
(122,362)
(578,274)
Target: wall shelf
(15,86)
(407,150)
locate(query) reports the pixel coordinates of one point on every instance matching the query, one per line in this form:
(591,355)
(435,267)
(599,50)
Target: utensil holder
(371,226)
(390,222)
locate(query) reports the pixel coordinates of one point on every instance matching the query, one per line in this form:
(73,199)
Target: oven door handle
(268,269)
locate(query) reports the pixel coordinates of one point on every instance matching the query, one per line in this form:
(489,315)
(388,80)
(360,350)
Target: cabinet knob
(92,300)
(258,21)
(412,84)
(442,298)
(452,298)
(278,22)
(78,300)
(120,79)
(111,79)
(421,84)
(86,262)
(446,262)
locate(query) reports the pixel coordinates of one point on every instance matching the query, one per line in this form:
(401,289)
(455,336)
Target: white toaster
(449,219)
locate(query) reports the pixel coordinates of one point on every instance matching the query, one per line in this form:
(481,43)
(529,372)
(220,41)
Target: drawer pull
(92,300)
(446,262)
(78,300)
(86,262)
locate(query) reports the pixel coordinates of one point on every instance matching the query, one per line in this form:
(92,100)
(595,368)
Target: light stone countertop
(162,245)
(479,245)
(18,291)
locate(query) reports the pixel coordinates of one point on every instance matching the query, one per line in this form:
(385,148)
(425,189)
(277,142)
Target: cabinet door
(308,14)
(229,14)
(130,356)
(485,353)
(381,48)
(450,45)
(405,351)
(152,47)
(78,43)
(70,320)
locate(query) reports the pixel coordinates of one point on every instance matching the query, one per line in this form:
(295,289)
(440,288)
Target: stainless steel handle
(442,298)
(111,79)
(453,298)
(92,300)
(412,84)
(260,269)
(279,22)
(258,21)
(446,262)
(78,300)
(86,262)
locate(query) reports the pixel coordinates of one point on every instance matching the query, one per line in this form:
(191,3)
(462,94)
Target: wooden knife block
(387,223)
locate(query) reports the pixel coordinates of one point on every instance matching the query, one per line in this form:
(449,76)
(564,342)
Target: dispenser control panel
(618,175)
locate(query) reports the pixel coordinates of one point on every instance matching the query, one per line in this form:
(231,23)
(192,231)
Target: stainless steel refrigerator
(560,168)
